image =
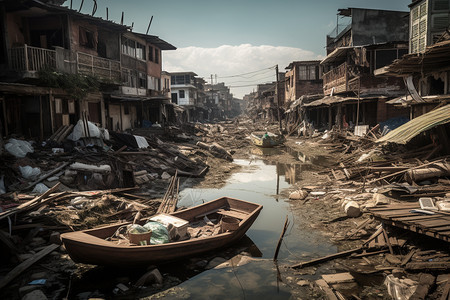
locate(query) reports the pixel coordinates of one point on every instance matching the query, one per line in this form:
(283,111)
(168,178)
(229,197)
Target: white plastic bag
(29,172)
(79,131)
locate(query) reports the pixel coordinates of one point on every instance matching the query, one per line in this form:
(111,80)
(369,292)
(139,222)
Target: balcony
(30,60)
(98,67)
(336,80)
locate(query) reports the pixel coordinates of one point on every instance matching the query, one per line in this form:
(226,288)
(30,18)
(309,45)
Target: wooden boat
(91,247)
(266,139)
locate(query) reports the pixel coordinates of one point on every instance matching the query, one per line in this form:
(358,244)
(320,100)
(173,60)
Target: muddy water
(260,181)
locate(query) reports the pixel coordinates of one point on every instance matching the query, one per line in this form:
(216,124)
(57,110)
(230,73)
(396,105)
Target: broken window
(87,38)
(182,94)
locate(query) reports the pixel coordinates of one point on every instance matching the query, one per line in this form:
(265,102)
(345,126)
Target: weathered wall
(75,36)
(15,28)
(378,26)
(127,121)
(109,45)
(154,69)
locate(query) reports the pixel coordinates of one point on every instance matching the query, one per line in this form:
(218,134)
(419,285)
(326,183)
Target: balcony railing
(32,59)
(28,58)
(336,80)
(98,66)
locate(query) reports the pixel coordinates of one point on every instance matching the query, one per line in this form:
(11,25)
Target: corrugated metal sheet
(407,131)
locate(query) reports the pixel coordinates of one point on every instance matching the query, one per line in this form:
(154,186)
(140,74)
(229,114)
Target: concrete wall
(378,26)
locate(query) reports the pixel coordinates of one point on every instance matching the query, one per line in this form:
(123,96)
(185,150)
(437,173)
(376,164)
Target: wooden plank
(443,229)
(26,264)
(233,214)
(432,223)
(326,258)
(393,207)
(421,217)
(338,278)
(326,289)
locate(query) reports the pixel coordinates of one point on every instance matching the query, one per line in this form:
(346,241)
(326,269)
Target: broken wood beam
(28,204)
(326,258)
(286,224)
(403,171)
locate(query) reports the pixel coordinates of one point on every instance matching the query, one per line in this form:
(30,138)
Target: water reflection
(265,151)
(320,160)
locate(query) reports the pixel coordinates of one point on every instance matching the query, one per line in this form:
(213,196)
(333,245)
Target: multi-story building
(426,70)
(370,40)
(58,64)
(302,78)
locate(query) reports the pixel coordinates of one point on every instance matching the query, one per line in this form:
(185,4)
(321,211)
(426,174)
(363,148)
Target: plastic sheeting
(80,131)
(18,148)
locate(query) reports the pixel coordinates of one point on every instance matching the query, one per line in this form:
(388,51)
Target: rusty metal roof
(409,130)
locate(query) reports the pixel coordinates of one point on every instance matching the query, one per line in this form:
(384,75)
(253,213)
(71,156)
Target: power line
(258,79)
(243,74)
(237,86)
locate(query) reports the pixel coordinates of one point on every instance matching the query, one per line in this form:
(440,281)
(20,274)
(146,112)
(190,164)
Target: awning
(409,130)
(408,100)
(338,54)
(329,100)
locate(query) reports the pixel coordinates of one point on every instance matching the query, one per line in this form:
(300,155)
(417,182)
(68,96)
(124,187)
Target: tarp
(404,133)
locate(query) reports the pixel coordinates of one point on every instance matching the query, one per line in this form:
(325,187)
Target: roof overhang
(338,54)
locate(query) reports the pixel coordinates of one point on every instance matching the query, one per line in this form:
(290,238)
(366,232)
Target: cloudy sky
(238,41)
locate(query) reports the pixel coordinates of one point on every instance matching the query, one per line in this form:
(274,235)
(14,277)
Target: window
(126,109)
(157,56)
(87,38)
(129,77)
(180,79)
(133,48)
(150,53)
(181,92)
(302,73)
(142,81)
(140,51)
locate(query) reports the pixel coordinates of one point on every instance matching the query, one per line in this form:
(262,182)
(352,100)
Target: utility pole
(278,98)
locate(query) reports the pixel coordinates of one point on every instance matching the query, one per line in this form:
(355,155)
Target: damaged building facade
(352,94)
(58,65)
(426,69)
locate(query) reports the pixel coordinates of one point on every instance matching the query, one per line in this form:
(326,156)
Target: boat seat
(232,213)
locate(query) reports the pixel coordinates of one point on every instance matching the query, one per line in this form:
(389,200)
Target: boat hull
(266,140)
(90,246)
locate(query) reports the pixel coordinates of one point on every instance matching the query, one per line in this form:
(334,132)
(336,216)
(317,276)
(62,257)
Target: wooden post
(4,116)
(25,53)
(357,109)
(41,119)
(278,98)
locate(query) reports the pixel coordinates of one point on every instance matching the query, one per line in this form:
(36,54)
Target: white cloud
(235,60)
